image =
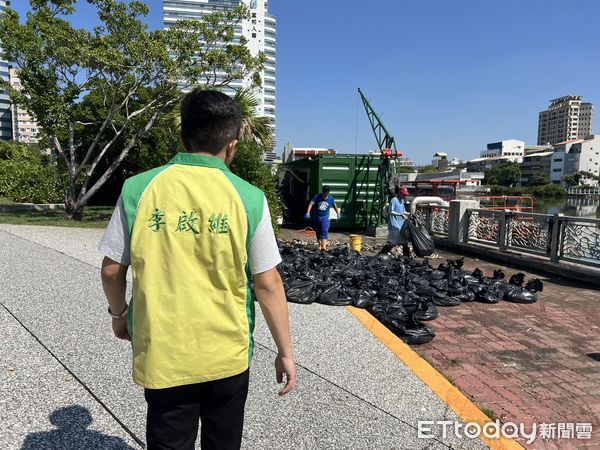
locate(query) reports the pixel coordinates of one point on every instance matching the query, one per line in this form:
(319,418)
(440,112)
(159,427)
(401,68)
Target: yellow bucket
(356,242)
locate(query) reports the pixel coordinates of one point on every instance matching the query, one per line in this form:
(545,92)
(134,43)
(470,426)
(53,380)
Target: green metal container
(352,178)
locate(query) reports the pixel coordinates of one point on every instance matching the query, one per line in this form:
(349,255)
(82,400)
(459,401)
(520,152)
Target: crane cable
(356,129)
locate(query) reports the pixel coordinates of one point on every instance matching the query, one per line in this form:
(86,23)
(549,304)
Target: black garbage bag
(445,300)
(499,274)
(456,263)
(396,311)
(477,273)
(387,297)
(353,277)
(473,284)
(336,295)
(517,279)
(363,298)
(534,285)
(422,241)
(396,326)
(426,311)
(377,310)
(491,294)
(303,291)
(427,291)
(416,333)
(518,294)
(436,275)
(440,285)
(411,298)
(415,282)
(466,296)
(438,297)
(394,317)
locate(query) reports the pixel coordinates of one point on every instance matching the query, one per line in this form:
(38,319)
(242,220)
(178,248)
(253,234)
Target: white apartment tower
(5,108)
(567,118)
(260,31)
(25,129)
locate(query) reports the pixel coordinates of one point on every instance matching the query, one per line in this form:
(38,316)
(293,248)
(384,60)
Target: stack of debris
(402,293)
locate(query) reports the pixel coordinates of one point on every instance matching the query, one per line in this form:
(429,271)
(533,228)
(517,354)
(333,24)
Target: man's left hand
(120,328)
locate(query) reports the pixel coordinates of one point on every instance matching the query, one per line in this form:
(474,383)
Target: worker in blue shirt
(324,202)
(397,234)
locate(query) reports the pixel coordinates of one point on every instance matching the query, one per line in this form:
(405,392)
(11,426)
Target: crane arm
(383,137)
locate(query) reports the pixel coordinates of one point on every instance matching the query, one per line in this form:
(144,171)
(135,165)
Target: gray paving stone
(42,406)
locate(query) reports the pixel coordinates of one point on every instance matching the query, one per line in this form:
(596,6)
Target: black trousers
(173,415)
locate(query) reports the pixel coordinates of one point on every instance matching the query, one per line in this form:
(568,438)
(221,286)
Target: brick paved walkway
(523,363)
(526,363)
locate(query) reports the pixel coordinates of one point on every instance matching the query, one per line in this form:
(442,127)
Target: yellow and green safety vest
(192,315)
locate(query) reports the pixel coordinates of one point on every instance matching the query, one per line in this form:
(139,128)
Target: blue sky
(445,75)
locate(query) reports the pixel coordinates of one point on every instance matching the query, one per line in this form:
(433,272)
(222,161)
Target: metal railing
(584,191)
(484,227)
(558,237)
(580,240)
(435,218)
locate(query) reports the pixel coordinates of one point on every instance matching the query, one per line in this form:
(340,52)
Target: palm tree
(256,129)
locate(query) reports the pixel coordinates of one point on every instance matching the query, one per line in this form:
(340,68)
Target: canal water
(569,206)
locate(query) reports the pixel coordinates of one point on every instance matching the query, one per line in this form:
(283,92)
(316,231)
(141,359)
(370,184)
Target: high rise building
(567,118)
(24,127)
(5,109)
(260,31)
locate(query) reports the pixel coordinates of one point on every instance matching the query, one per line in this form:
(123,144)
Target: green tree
(27,175)
(255,128)
(579,178)
(508,174)
(256,138)
(428,169)
(248,164)
(405,169)
(122,61)
(539,180)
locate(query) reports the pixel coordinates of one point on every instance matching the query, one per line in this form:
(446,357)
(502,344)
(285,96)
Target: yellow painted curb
(464,408)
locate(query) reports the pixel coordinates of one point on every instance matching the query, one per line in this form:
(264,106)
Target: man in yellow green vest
(195,236)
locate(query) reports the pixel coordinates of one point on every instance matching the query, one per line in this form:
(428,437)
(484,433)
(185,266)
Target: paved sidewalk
(65,379)
(526,363)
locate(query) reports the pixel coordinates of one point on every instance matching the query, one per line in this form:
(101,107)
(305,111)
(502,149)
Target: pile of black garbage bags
(402,293)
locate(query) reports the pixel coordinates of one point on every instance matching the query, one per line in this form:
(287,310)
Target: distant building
(440,160)
(510,148)
(260,30)
(470,179)
(404,162)
(529,149)
(485,164)
(293,153)
(5,104)
(567,118)
(442,184)
(25,128)
(269,157)
(575,155)
(536,165)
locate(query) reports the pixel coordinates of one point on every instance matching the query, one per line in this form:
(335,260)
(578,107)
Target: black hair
(326,190)
(209,121)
